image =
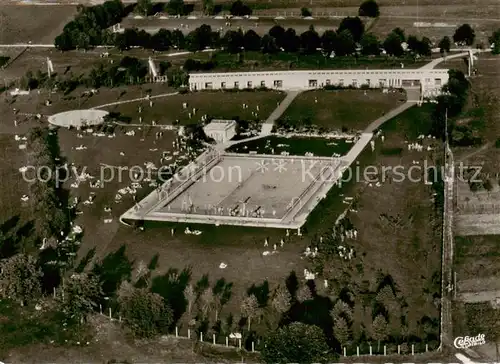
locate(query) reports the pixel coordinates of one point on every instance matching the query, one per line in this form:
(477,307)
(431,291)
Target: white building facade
(430,80)
(220,130)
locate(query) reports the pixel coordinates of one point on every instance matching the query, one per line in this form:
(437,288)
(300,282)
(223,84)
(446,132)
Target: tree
(249,308)
(304,293)
(310,41)
(206,302)
(380,329)
(413,43)
(341,331)
(175,7)
(144,7)
(341,309)
(369,8)
(444,44)
(305,12)
(282,300)
(328,41)
(208,7)
(400,33)
(296,343)
(495,42)
(251,40)
(392,45)
(354,25)
(464,34)
(20,278)
(268,44)
(345,44)
(146,313)
(370,44)
(240,9)
(291,41)
(81,292)
(278,33)
(222,294)
(233,40)
(190,296)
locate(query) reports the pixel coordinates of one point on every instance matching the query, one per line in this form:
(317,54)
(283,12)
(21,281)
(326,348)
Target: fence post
(399,349)
(357,350)
(253,347)
(370,350)
(227,341)
(239,343)
(426,348)
(385,350)
(54,290)
(120,318)
(412,349)
(110,317)
(189,333)
(100,309)
(176,331)
(345,351)
(213,338)
(201,336)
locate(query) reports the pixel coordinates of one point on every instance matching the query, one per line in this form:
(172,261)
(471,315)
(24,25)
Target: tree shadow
(85,261)
(260,292)
(171,287)
(292,283)
(112,270)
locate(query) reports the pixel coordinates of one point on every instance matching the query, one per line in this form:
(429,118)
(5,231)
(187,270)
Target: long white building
(430,80)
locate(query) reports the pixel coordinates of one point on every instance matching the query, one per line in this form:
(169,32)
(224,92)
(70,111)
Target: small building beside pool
(220,130)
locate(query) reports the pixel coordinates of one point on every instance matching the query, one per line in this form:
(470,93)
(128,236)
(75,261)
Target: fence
(251,346)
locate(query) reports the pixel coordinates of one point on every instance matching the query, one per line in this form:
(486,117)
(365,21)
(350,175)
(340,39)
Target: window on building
(382,82)
(355,83)
(341,82)
(208,85)
(222,85)
(262,83)
(249,84)
(313,83)
(328,82)
(236,84)
(437,81)
(278,83)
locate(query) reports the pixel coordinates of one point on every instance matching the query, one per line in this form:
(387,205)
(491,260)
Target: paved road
(391,114)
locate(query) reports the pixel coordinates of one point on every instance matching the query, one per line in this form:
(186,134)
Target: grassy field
(216,104)
(477,256)
(294,146)
(38,24)
(342,109)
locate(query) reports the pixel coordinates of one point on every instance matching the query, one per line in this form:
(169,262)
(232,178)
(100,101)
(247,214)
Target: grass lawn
(215,104)
(350,110)
(294,146)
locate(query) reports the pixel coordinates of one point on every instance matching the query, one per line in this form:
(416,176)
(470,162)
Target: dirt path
(475,152)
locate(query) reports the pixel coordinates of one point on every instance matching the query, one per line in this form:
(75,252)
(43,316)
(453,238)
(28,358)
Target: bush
(305,12)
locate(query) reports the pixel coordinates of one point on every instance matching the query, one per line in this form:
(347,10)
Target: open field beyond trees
(37,24)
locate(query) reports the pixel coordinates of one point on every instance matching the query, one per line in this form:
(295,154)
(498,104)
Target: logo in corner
(464,342)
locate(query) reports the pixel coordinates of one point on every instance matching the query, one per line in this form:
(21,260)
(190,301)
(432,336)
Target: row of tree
(348,39)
